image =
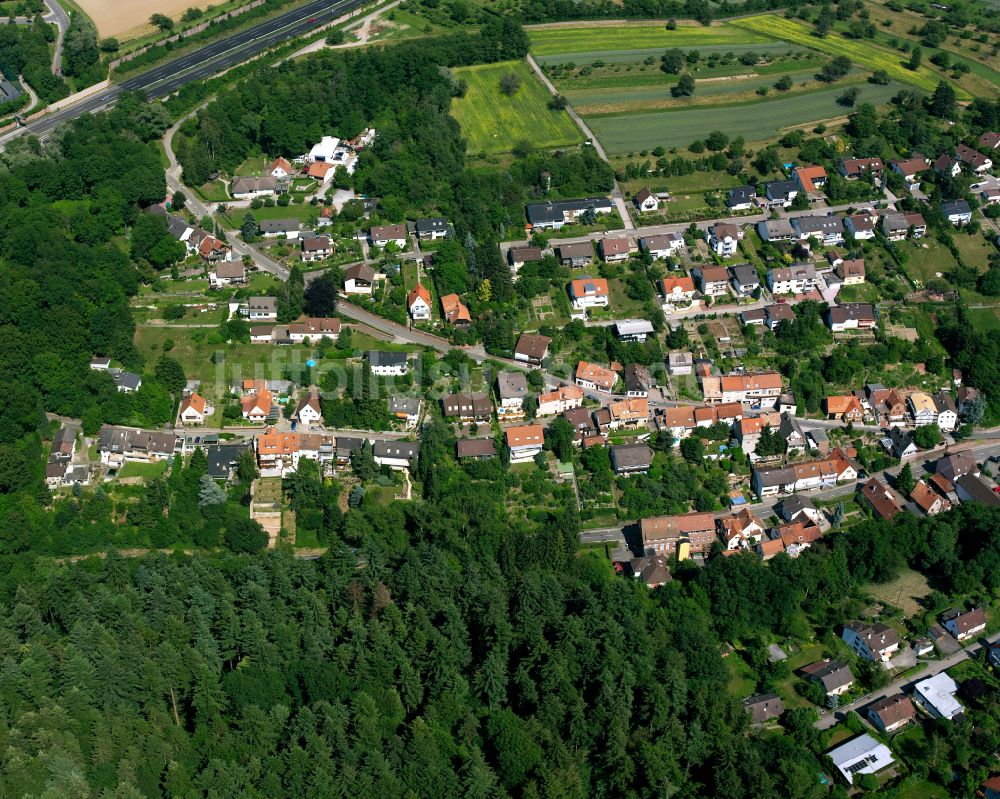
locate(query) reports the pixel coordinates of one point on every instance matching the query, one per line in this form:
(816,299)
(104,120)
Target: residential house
(244,188)
(576,254)
(663,246)
(431,229)
(194,408)
(861,755)
(845,407)
(384,235)
(260,309)
(922,409)
(724,239)
(679,422)
(313,328)
(653,571)
(779,193)
(807,476)
(744,278)
(308,410)
(470,407)
(757,389)
(884,502)
(809,179)
(795,279)
(957,212)
(754,317)
(512,390)
(316,248)
(405,409)
(116,445)
(892,713)
(561,399)
(911,167)
(64,444)
(798,508)
(100,363)
(937,695)
(387,363)
(851,316)
(476,449)
(395,454)
(764,708)
(593,376)
(532,349)
(633,329)
(359,279)
(614,250)
(897,226)
(524,442)
(855,168)
(553,214)
(321,171)
(974,489)
(775,230)
(957,465)
(125,382)
(967,396)
(973,159)
(861,226)
(989,140)
(965,624)
(662,535)
(628,412)
(257,405)
(827,230)
(851,272)
(990,196)
(280,168)
(519,256)
(589,292)
(741,198)
(680,363)
(741,530)
(747,431)
(677,289)
(777,313)
(834,676)
(227,274)
(877,642)
(455,311)
(712,281)
(644,200)
(583,424)
(347,447)
(212,249)
(637,380)
(289,228)
(948,165)
(768,548)
(928,500)
(418,303)
(901,443)
(631,458)
(223,459)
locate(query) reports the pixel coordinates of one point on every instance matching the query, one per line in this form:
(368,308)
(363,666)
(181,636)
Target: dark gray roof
(383,358)
(780,188)
(740,195)
(818,224)
(396,449)
(128,380)
(955,208)
(476,447)
(627,457)
(433,224)
(222,459)
(280,225)
(744,275)
(407,405)
(512,384)
(553,211)
(126,439)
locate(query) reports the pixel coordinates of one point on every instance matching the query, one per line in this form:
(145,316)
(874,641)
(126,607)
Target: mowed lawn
(494,123)
(862,53)
(758,122)
(596,39)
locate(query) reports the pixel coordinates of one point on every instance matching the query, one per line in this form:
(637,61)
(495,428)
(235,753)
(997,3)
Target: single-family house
(613,250)
(965,624)
(851,271)
(951,467)
(272,228)
(861,755)
(680,363)
(892,713)
(741,198)
(909,168)
(589,292)
(712,281)
(313,328)
(653,571)
(227,273)
(794,279)
(724,239)
(125,382)
(405,409)
(798,508)
(455,312)
(576,254)
(834,676)
(827,230)
(519,256)
(973,159)
(922,409)
(764,708)
(777,313)
(754,317)
(431,229)
(677,288)
(744,278)
(524,442)
(476,449)
(928,500)
(644,200)
(637,380)
(633,329)
(861,226)
(387,363)
(260,309)
(280,168)
(855,168)
(662,535)
(359,279)
(532,349)
(897,226)
(937,695)
(741,530)
(583,423)
(957,212)
(877,642)
(948,165)
(990,140)
(243,188)
(779,193)
(212,249)
(194,409)
(308,410)
(383,235)
(553,214)
(316,248)
(560,400)
(774,230)
(116,445)
(884,502)
(947,411)
(418,303)
(851,316)
(395,454)
(664,246)
(631,458)
(809,179)
(628,412)
(593,376)
(512,390)
(845,407)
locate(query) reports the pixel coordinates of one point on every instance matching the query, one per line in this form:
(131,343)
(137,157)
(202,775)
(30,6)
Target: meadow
(493,123)
(862,53)
(757,122)
(547,41)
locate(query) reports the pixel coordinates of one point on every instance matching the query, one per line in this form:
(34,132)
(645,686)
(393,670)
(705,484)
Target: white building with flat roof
(861,755)
(937,695)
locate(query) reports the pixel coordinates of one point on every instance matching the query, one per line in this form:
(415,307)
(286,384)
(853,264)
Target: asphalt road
(206,61)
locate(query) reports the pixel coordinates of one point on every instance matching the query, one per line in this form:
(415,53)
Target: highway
(209,60)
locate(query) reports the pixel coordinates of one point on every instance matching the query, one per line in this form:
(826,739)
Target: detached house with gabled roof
(884,502)
(809,179)
(877,642)
(455,311)
(662,246)
(532,349)
(418,303)
(741,198)
(614,250)
(593,376)
(892,713)
(834,676)
(383,235)
(524,442)
(712,281)
(861,226)
(724,239)
(194,408)
(855,168)
(359,279)
(965,624)
(589,292)
(645,200)
(308,411)
(973,159)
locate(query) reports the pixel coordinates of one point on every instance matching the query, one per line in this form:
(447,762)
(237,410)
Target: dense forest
(24,50)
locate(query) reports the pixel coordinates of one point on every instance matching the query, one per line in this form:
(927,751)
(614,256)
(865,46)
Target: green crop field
(597,39)
(863,53)
(494,123)
(757,122)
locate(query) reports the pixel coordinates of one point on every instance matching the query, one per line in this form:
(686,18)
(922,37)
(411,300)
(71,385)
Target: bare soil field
(130,20)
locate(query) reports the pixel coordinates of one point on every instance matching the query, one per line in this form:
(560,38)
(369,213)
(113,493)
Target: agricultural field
(862,53)
(758,121)
(493,123)
(548,40)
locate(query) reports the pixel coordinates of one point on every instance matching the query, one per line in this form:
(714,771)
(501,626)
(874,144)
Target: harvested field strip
(637,55)
(592,40)
(717,92)
(495,123)
(761,121)
(862,53)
